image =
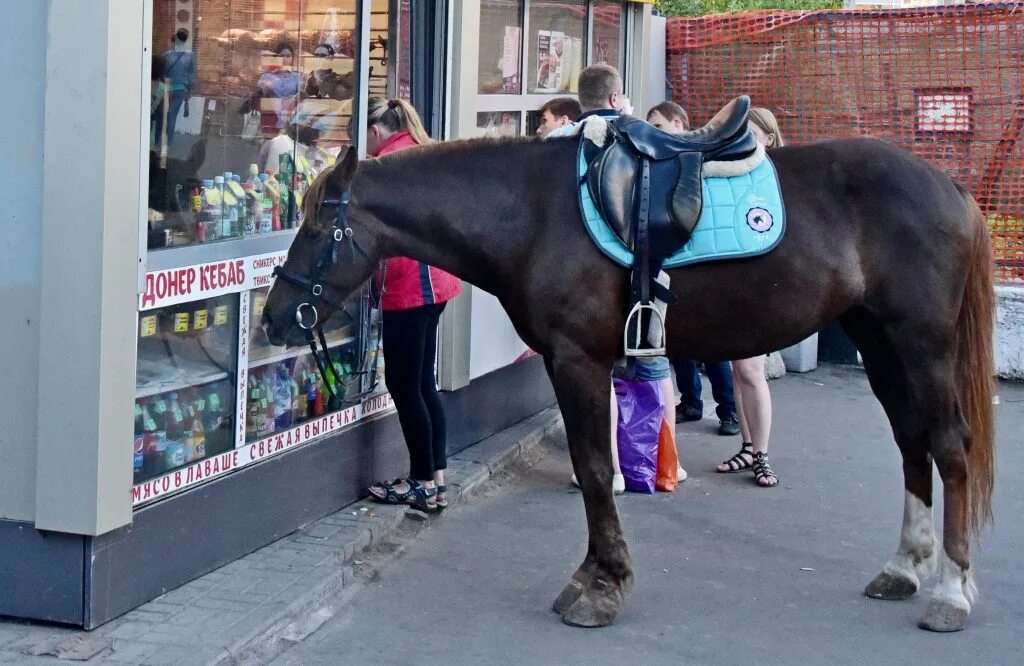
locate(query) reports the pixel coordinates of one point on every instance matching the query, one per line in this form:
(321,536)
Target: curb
(366,524)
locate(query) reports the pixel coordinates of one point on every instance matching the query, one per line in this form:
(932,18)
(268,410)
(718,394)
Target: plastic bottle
(282,397)
(253,209)
(152,460)
(196,205)
(198,447)
(267,218)
(234,183)
(273,192)
(212,210)
(255,180)
(139,445)
(252,412)
(224,228)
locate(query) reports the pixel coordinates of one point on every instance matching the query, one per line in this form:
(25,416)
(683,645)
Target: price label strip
(181,322)
(199,320)
(220,315)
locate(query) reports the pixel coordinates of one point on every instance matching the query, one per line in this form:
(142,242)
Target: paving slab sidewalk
(279,593)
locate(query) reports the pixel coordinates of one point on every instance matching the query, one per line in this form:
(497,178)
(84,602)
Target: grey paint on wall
(23,61)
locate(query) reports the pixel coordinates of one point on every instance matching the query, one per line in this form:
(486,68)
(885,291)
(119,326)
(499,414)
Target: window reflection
(250,101)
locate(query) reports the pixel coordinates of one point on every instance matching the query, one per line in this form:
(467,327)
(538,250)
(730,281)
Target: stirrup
(638,351)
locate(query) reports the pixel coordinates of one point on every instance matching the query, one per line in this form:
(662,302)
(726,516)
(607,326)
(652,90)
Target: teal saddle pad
(742,216)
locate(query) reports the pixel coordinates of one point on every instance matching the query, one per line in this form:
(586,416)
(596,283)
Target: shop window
(608,34)
(184,384)
(250,100)
(557,42)
(284,387)
(501,36)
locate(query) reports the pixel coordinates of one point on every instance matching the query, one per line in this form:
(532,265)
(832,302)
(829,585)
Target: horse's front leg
(594,596)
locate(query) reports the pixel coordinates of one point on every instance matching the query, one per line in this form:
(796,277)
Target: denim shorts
(652,369)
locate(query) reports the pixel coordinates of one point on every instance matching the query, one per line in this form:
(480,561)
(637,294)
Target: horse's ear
(345,169)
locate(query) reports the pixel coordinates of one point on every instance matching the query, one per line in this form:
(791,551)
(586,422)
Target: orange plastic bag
(667,478)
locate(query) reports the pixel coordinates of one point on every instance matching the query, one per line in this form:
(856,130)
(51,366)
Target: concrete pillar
(92,157)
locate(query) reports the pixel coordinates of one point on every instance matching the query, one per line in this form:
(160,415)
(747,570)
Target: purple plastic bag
(640,414)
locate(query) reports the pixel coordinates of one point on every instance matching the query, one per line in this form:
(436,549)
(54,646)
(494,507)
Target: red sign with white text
(178,285)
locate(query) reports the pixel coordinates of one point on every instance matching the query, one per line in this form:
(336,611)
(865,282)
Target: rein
(341,238)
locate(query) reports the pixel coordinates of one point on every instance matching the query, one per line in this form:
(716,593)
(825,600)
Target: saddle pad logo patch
(759,219)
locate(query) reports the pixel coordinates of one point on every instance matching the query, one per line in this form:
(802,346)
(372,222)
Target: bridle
(341,239)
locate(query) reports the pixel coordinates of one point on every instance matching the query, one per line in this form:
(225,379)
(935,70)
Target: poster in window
(577,64)
(510,59)
(543,64)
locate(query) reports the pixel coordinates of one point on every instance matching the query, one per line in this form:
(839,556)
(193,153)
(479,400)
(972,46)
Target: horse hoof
(891,587)
(944,615)
(570,593)
(597,606)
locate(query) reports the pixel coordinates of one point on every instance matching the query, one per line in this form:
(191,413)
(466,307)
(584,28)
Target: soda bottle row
(280,395)
(174,429)
(228,207)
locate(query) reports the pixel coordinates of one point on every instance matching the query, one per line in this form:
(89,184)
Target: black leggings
(410,348)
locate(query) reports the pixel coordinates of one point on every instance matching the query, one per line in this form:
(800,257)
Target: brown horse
(876,238)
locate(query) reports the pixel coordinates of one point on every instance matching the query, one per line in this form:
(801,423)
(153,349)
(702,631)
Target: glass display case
(284,387)
(184,384)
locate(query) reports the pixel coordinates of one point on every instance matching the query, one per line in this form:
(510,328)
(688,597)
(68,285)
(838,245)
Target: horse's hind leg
(914,559)
(927,422)
(594,596)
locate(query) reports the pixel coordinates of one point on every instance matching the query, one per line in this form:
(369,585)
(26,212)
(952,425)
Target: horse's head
(332,255)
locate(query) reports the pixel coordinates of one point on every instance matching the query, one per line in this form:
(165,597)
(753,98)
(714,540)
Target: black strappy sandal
(739,462)
(385,492)
(421,498)
(762,470)
(442,502)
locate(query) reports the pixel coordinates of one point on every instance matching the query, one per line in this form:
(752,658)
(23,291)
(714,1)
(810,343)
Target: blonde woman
(753,400)
(414,296)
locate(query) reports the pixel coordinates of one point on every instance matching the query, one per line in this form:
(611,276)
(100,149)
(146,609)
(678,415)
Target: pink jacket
(410,283)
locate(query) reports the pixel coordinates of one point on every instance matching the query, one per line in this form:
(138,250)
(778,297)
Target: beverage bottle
(161,417)
(224,228)
(198,447)
(298,400)
(318,404)
(264,418)
(310,397)
(152,459)
(282,397)
(234,183)
(285,176)
(252,414)
(199,226)
(298,194)
(212,210)
(253,209)
(273,192)
(267,218)
(139,446)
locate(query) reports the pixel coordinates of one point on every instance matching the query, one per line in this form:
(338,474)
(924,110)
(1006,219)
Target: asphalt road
(726,572)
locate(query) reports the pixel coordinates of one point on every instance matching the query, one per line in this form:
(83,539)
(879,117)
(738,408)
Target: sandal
(439,497)
(739,462)
(385,492)
(421,498)
(763,471)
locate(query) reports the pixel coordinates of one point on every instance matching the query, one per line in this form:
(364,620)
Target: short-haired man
(601,94)
(557,113)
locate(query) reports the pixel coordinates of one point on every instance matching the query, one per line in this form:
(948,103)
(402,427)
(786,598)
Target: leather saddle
(615,174)
(646,184)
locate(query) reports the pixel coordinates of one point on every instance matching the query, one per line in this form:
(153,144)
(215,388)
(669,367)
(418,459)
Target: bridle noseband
(341,237)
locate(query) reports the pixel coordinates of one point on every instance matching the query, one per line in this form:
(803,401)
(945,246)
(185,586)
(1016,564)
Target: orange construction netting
(946,83)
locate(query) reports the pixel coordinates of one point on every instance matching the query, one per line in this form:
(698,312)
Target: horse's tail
(975,370)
